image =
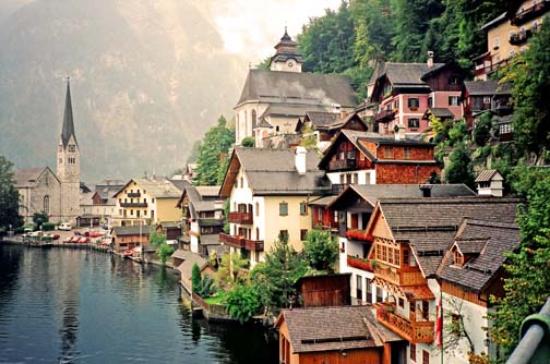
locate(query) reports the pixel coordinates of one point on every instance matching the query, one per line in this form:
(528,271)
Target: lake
(76,306)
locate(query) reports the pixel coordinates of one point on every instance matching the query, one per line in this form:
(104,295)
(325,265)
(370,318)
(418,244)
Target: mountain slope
(147,78)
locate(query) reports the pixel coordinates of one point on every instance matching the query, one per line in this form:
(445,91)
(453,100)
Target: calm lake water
(74,306)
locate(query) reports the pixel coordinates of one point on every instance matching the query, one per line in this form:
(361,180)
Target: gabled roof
(358,138)
(131,230)
(157,188)
(494,22)
(318,329)
(196,196)
(298,88)
(273,172)
(372,193)
(408,74)
(489,241)
(439,112)
(487,175)
(27,177)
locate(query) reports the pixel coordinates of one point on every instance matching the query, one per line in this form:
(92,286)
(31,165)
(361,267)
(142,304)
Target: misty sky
(250,27)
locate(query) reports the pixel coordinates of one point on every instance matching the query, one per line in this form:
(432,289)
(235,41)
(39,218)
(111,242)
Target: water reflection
(71,306)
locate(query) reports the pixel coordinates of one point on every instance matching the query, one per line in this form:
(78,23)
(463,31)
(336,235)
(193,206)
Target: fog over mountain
(147,78)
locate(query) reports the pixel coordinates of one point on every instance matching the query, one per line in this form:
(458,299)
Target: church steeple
(287,57)
(68,125)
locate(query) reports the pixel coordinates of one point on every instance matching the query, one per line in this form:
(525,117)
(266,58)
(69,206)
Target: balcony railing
(238,217)
(384,116)
(342,164)
(134,194)
(520,37)
(242,243)
(361,235)
(133,204)
(359,263)
(413,331)
(404,276)
(531,12)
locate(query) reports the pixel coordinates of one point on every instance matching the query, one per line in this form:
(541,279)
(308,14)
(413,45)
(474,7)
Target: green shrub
(196,278)
(243,302)
(48,226)
(248,142)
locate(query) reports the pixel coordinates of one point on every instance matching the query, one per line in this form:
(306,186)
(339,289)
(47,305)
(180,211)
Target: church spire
(68,124)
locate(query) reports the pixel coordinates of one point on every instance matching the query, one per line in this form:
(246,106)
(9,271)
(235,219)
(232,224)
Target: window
(505,128)
(303,209)
(406,257)
(359,288)
(407,153)
(145,213)
(412,354)
(131,212)
(46,205)
(257,209)
(425,310)
(413,103)
(414,123)
(303,234)
(425,357)
(454,100)
(388,152)
(242,182)
(72,148)
(401,302)
(283,209)
(369,291)
(379,297)
(283,236)
(138,213)
(430,102)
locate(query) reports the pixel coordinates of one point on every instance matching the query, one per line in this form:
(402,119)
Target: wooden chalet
(324,290)
(342,334)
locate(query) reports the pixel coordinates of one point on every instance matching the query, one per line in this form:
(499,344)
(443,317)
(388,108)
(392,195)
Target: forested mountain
(361,32)
(148,78)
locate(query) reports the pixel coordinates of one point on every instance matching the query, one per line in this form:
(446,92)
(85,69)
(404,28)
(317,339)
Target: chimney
(300,160)
(426,190)
(430,59)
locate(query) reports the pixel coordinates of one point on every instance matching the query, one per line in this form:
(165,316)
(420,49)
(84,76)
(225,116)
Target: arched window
(46,205)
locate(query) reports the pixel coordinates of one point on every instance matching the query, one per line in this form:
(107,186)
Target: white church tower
(287,58)
(68,164)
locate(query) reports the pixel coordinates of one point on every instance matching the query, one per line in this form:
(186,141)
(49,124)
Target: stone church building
(272,101)
(56,194)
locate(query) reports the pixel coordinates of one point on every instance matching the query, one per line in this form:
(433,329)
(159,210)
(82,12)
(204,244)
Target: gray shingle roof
(486,175)
(190,259)
(322,118)
(273,171)
(489,87)
(27,177)
(131,230)
(441,112)
(298,87)
(494,238)
(334,328)
(408,74)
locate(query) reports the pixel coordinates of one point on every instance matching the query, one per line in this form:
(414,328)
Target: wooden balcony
(134,204)
(360,235)
(384,116)
(359,263)
(340,164)
(134,194)
(238,217)
(242,243)
(520,37)
(254,245)
(414,331)
(404,276)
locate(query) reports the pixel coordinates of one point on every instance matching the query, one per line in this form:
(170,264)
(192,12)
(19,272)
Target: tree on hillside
(321,250)
(9,197)
(460,169)
(275,278)
(213,151)
(528,282)
(530,75)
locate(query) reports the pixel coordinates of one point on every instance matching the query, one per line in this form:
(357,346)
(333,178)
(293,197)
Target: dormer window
(458,258)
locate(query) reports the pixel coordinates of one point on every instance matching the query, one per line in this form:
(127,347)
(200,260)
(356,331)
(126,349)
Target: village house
(368,158)
(339,334)
(409,240)
(323,126)
(125,238)
(103,202)
(147,202)
(508,34)
(268,192)
(354,208)
(202,219)
(272,101)
(490,182)
(479,97)
(471,272)
(405,92)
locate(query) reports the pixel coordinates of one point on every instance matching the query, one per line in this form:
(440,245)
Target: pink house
(407,93)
